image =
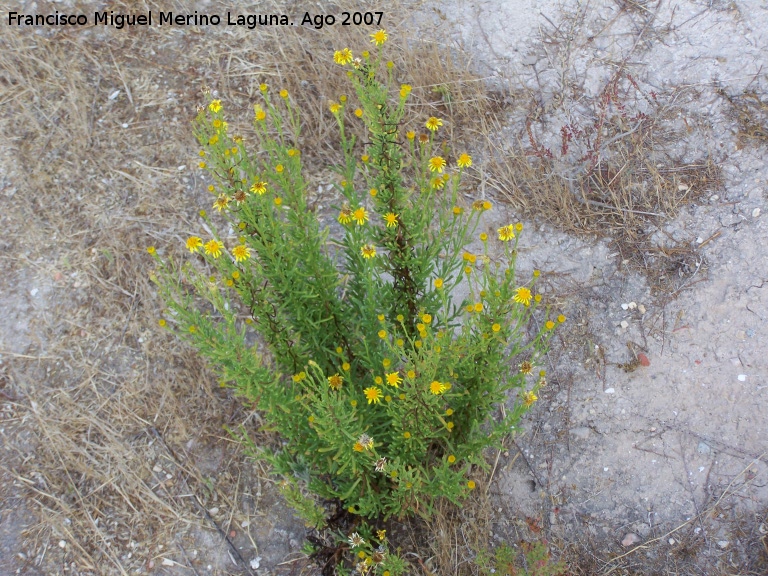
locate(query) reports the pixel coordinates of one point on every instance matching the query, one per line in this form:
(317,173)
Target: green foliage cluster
(381,385)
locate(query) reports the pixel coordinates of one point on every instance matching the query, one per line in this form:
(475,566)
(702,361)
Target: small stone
(742,377)
(735,361)
(33,292)
(114,94)
(624,306)
(214,510)
(255,563)
(723,544)
(703,448)
(699,240)
(182,168)
(530,60)
(641,308)
(62,544)
(671,541)
(682,187)
(624,324)
(124,125)
(714,197)
(157,468)
(168,562)
(632,305)
(755,212)
(610,391)
(630,539)
(245,523)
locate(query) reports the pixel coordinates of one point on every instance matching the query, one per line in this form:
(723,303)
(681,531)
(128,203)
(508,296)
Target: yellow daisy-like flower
(519,227)
(438,283)
(360,215)
(436,164)
(373,395)
(151,250)
(522,296)
(426,318)
(561,318)
(506,233)
(343,57)
(483,237)
(437,387)
(526,367)
(345,215)
(394,379)
(405,90)
(386,362)
(382,334)
(379,37)
(213,247)
(406,435)
(263,87)
(194,243)
(391,219)
(335,381)
(496,327)
(529,398)
(365,158)
(451,459)
(437,183)
(373,192)
(537,298)
(221,202)
(283,93)
(368,251)
(358,112)
(410,134)
(335,107)
(278,201)
(292,152)
(241,253)
(433,123)
(162,323)
(259,188)
(477,205)
(279,168)
(456,210)
(215,106)
(357,447)
(549,325)
(471,484)
(464,161)
(487,205)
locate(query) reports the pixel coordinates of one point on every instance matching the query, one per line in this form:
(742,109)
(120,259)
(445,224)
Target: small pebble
(213,510)
(182,168)
(33,292)
(114,94)
(755,212)
(168,562)
(723,544)
(610,391)
(671,541)
(735,361)
(714,197)
(632,305)
(624,306)
(630,539)
(124,125)
(742,377)
(62,544)
(255,563)
(682,187)
(641,308)
(624,324)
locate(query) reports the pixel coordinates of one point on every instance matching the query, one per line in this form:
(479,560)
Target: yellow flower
(214,248)
(549,325)
(216,123)
(426,318)
(379,37)
(506,233)
(483,237)
(221,202)
(202,165)
(438,283)
(406,435)
(335,107)
(360,215)
(561,318)
(390,64)
(345,215)
(386,362)
(449,412)
(537,298)
(410,135)
(373,395)
(358,113)
(343,57)
(437,387)
(260,114)
(478,307)
(278,201)
(357,447)
(400,317)
(487,205)
(526,367)
(467,270)
(471,485)
(214,106)
(194,243)
(382,334)
(365,158)
(342,99)
(456,210)
(436,164)
(519,227)
(496,327)
(292,152)
(394,379)
(373,192)
(522,296)
(335,381)
(161,323)
(378,380)
(368,251)
(380,317)
(464,161)
(451,459)
(263,87)
(259,188)
(279,168)
(529,398)
(283,93)
(437,183)
(433,123)
(241,253)
(411,374)
(235,275)
(405,89)
(391,219)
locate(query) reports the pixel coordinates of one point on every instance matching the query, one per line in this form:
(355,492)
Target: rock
(610,391)
(624,324)
(682,187)
(742,377)
(625,306)
(630,539)
(755,212)
(671,541)
(723,544)
(641,308)
(632,305)
(703,448)
(581,432)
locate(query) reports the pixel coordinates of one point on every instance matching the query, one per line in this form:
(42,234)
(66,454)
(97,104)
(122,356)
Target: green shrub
(380,385)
